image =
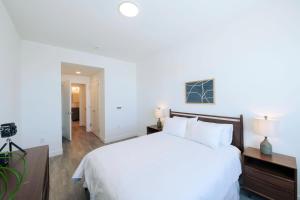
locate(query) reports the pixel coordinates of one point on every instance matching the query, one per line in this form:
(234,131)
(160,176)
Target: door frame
(82,118)
(73,77)
(87,98)
(67,111)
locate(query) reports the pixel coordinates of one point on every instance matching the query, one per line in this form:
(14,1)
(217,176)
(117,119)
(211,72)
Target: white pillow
(189,121)
(205,133)
(227,132)
(227,135)
(175,126)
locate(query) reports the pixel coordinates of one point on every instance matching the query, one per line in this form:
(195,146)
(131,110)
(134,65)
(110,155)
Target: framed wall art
(200,91)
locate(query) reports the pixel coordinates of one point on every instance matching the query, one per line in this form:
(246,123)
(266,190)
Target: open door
(95,107)
(66,110)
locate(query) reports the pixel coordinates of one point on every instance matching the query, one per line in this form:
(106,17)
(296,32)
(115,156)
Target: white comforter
(159,167)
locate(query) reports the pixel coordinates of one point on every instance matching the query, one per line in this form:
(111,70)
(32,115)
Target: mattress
(159,167)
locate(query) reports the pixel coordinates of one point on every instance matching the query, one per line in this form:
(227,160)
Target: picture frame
(200,92)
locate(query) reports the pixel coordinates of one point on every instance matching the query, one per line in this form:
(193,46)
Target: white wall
(9,65)
(82,80)
(40,97)
(98,79)
(255,61)
(41,94)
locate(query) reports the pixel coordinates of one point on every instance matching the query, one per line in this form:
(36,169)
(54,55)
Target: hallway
(62,167)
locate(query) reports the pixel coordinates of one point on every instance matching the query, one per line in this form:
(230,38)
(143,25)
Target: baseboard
(56,152)
(117,138)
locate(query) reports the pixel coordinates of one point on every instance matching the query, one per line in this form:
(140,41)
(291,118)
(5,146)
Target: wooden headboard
(237,122)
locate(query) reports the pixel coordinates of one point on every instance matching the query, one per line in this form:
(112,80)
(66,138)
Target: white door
(82,106)
(66,110)
(95,107)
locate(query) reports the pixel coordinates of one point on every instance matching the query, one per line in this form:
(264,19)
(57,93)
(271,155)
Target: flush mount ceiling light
(128,9)
(78,72)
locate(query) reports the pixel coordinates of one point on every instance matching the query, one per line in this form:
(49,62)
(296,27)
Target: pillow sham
(227,132)
(205,133)
(175,126)
(227,135)
(189,121)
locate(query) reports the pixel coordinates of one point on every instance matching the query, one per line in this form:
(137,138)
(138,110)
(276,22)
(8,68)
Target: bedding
(175,126)
(189,121)
(226,133)
(160,167)
(233,192)
(206,133)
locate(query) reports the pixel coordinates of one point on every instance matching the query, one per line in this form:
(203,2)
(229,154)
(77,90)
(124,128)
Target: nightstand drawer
(277,182)
(268,185)
(259,186)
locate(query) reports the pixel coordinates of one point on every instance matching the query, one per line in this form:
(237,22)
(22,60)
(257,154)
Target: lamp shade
(265,127)
(158,113)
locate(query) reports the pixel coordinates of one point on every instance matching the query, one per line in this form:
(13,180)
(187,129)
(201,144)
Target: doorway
(82,100)
(78,113)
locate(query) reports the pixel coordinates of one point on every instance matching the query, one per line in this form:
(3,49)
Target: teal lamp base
(266,147)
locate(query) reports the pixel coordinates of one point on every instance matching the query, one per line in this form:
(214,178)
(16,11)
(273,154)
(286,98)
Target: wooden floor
(62,167)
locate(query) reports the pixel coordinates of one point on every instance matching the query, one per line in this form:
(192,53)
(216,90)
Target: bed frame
(237,122)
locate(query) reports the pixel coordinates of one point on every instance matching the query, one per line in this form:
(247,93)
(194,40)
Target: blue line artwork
(200,91)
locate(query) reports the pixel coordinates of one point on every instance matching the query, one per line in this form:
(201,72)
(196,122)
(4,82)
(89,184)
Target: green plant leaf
(5,181)
(17,174)
(5,155)
(5,171)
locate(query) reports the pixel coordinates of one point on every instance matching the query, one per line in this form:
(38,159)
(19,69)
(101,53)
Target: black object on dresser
(272,177)
(35,185)
(153,129)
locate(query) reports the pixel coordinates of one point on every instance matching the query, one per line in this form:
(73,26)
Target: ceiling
(71,69)
(87,24)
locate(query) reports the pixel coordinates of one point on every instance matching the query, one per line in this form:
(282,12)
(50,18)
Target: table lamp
(158,115)
(265,127)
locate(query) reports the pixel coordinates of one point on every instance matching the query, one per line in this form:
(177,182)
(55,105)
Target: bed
(161,167)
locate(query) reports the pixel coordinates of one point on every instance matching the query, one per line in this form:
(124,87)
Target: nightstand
(153,129)
(272,177)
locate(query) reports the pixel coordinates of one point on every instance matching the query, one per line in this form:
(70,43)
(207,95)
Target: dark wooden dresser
(272,177)
(36,182)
